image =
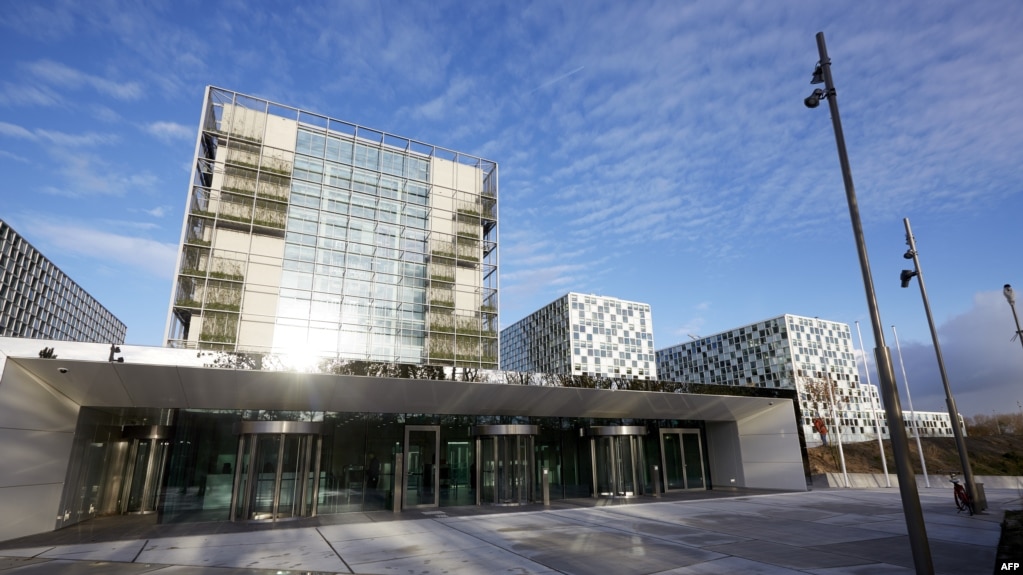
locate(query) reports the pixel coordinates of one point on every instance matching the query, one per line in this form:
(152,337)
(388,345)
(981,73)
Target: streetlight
(900,447)
(1011,298)
(909,397)
(953,413)
(873,411)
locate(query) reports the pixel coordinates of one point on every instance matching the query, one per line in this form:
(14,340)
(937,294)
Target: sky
(657,152)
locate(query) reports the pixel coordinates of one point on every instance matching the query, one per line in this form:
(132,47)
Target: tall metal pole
(838,427)
(953,413)
(873,411)
(916,429)
(900,448)
(1011,298)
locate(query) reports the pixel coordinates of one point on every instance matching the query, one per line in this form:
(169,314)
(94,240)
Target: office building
(333,313)
(208,436)
(580,334)
(37,300)
(800,353)
(307,234)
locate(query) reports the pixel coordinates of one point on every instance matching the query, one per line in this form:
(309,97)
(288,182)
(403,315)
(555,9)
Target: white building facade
(801,353)
(581,334)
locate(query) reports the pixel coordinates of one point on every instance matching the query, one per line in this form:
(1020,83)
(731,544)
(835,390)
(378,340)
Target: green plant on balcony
(276,170)
(442,303)
(235,218)
(186,302)
(441,278)
(239,191)
(224,275)
(223,306)
(217,338)
(268,223)
(198,242)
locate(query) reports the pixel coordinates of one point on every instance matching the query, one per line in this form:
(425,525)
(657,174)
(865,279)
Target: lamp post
(900,448)
(1011,298)
(953,413)
(909,397)
(873,411)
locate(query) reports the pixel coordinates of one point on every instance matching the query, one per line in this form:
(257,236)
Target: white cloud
(15,131)
(28,94)
(170,131)
(61,75)
(983,365)
(126,254)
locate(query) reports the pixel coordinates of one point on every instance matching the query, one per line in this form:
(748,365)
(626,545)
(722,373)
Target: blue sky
(657,152)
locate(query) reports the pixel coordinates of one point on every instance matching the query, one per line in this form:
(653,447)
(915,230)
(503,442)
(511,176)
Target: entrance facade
(617,460)
(682,459)
(278,472)
(505,464)
(144,468)
(420,484)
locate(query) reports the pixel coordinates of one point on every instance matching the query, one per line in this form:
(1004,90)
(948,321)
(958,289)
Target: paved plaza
(827,532)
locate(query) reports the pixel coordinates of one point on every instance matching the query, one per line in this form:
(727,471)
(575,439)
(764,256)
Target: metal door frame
(249,432)
(634,434)
(154,434)
(435,467)
(519,431)
(680,431)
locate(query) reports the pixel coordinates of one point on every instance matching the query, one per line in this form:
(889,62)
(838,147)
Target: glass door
(617,460)
(616,466)
(422,474)
(507,464)
(277,472)
(144,468)
(682,459)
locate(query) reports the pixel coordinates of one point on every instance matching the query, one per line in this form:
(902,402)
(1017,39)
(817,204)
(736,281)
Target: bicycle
(962,498)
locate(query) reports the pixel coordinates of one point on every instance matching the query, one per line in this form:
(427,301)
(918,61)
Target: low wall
(864,480)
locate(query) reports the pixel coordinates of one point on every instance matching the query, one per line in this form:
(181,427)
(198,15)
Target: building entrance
(616,456)
(422,475)
(682,459)
(144,467)
(505,464)
(278,470)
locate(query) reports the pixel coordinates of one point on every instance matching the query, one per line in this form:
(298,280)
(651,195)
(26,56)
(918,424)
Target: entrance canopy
(168,378)
(752,441)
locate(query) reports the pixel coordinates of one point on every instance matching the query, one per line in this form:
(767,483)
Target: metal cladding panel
(25,404)
(148,387)
(83,382)
(165,386)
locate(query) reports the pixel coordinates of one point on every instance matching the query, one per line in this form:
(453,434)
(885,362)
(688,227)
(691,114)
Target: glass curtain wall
(356,462)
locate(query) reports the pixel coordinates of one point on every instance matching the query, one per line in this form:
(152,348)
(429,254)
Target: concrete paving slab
(788,556)
(68,567)
(826,532)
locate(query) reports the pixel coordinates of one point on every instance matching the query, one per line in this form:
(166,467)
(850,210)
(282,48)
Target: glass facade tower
(309,235)
(37,300)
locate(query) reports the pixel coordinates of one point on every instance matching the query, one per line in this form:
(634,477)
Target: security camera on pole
(1011,298)
(953,413)
(911,508)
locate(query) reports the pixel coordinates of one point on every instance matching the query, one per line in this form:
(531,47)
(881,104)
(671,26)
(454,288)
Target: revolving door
(144,467)
(504,467)
(277,472)
(616,456)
